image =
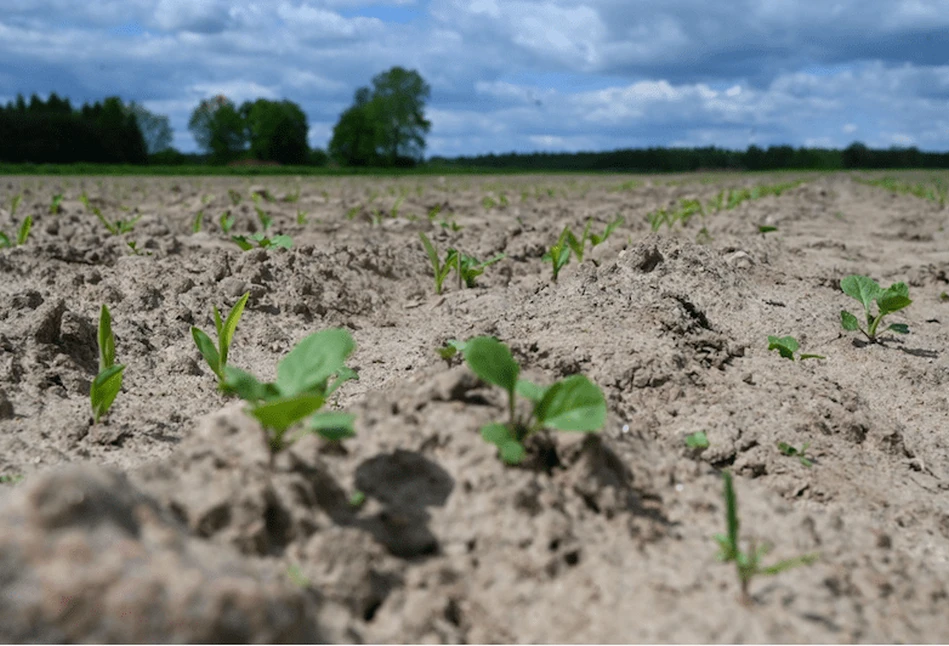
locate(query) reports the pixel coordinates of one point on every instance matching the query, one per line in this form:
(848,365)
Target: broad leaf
(530,390)
(241,242)
(333,426)
(572,404)
(245,385)
(511,451)
(345,374)
(785,345)
(492,361)
(899,328)
(849,321)
(314,360)
(105,388)
(895,298)
(282,240)
(864,289)
(283,412)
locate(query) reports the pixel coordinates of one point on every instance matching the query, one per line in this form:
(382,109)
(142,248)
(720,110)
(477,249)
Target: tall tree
(386,125)
(218,128)
(156,128)
(277,131)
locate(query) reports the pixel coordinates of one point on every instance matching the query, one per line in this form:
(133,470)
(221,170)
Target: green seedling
(21,235)
(357,499)
(766,228)
(697,440)
(56,207)
(197,222)
(227,222)
(353,212)
(133,245)
(394,213)
(235,196)
(451,349)
(571,404)
(800,453)
(301,217)
(217,356)
(292,198)
(470,268)
(748,563)
(559,254)
(889,300)
(265,220)
(441,270)
(787,346)
(106,385)
(11,479)
(115,228)
(15,204)
(944,297)
(246,243)
(306,377)
(434,211)
(296,576)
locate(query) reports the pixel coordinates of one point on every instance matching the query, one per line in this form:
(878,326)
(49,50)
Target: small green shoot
(246,243)
(441,270)
(56,206)
(227,222)
(559,254)
(748,564)
(357,499)
(197,222)
(265,220)
(451,349)
(106,385)
(800,453)
(571,404)
(889,300)
(787,346)
(217,356)
(301,217)
(11,479)
(235,196)
(306,377)
(470,268)
(115,228)
(15,204)
(697,440)
(766,228)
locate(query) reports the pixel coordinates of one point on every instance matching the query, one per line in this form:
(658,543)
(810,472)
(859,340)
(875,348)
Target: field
(173,519)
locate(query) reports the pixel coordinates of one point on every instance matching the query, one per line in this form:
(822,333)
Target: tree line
(384,127)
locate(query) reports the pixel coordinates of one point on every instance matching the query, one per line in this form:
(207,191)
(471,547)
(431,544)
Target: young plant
(21,235)
(197,222)
(106,385)
(55,207)
(697,440)
(217,356)
(115,228)
(787,346)
(301,217)
(265,220)
(571,404)
(246,243)
(227,222)
(748,563)
(235,196)
(800,453)
(306,378)
(470,268)
(15,204)
(889,300)
(559,254)
(440,269)
(451,349)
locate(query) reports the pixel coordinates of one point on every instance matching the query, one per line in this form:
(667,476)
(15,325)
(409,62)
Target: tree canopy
(386,125)
(276,130)
(218,128)
(156,128)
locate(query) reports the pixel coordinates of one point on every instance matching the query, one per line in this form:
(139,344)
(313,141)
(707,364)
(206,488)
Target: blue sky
(518,75)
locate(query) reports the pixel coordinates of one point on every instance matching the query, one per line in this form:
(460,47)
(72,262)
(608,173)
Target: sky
(517,75)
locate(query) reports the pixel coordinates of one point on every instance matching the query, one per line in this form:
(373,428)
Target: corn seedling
(261,241)
(441,270)
(21,235)
(227,222)
(434,211)
(15,204)
(11,479)
(197,222)
(889,300)
(559,254)
(292,198)
(800,454)
(306,377)
(265,220)
(571,404)
(787,346)
(451,349)
(766,228)
(217,356)
(115,228)
(235,196)
(748,563)
(470,268)
(301,217)
(55,207)
(106,385)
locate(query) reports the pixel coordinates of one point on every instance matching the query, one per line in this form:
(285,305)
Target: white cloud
(850,128)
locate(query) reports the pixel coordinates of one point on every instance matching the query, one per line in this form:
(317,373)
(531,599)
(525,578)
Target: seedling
(571,404)
(441,270)
(470,268)
(800,453)
(787,346)
(748,563)
(451,349)
(227,222)
(265,220)
(301,217)
(292,198)
(15,203)
(246,243)
(306,378)
(21,235)
(766,228)
(357,499)
(133,245)
(889,300)
(217,357)
(11,479)
(235,196)
(106,385)
(697,440)
(198,221)
(559,254)
(115,228)
(55,206)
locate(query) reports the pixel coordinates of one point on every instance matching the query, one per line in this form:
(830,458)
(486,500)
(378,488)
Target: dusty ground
(181,525)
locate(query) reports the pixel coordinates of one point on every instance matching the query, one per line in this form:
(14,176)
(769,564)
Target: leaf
(730,544)
(245,385)
(106,340)
(496,433)
(785,345)
(314,360)
(510,450)
(105,387)
(787,564)
(787,449)
(241,242)
(572,404)
(342,376)
(282,240)
(492,361)
(207,350)
(530,390)
(24,231)
(697,440)
(229,327)
(895,298)
(333,426)
(864,289)
(283,412)
(899,328)
(849,321)
(766,228)
(802,357)
(5,241)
